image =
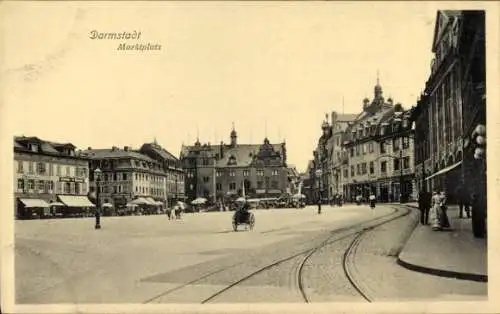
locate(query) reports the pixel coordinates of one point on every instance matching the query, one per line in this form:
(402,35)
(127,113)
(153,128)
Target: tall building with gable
(219,172)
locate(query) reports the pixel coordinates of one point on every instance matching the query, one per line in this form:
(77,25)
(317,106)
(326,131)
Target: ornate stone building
(451,107)
(218,172)
(377,152)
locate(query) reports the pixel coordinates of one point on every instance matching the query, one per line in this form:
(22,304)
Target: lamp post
(319,172)
(97,174)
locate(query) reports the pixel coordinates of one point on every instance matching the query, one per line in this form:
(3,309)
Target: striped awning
(34,202)
(75,201)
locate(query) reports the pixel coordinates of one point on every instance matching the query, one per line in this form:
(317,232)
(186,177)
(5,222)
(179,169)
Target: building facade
(220,172)
(377,154)
(48,172)
(339,124)
(151,173)
(452,106)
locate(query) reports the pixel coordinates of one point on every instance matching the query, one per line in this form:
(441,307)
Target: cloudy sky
(280,64)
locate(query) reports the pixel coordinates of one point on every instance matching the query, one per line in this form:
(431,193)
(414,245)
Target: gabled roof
(109,153)
(242,154)
(442,18)
(163,153)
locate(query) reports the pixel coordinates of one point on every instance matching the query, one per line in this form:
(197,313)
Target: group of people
(433,210)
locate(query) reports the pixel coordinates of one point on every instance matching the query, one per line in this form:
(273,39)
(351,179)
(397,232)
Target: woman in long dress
(443,217)
(435,211)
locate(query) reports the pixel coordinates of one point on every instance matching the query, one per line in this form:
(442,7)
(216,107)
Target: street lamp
(319,172)
(97,175)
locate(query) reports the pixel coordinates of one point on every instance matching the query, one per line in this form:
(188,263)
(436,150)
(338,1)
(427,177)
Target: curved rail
(308,253)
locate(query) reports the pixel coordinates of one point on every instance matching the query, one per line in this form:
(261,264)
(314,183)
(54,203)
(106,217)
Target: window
(51,169)
(260,173)
(372,167)
(346,173)
(352,152)
(66,188)
(115,177)
(275,172)
(51,185)
(40,168)
(115,189)
(245,173)
(259,184)
(406,142)
(58,170)
(124,176)
(68,173)
(218,173)
(59,187)
(363,168)
(232,186)
(20,184)
(274,184)
(30,167)
(396,164)
(206,179)
(395,144)
(31,184)
(382,148)
(370,147)
(406,163)
(41,185)
(358,169)
(352,171)
(218,186)
(78,190)
(363,150)
(232,173)
(105,177)
(383,166)
(357,150)
(20,167)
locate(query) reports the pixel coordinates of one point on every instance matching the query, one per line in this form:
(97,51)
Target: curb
(438,272)
(442,273)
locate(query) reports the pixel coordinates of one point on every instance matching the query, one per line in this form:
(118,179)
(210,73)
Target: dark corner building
(450,116)
(221,172)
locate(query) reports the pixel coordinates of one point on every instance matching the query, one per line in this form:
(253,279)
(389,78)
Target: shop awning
(444,170)
(150,201)
(34,202)
(75,201)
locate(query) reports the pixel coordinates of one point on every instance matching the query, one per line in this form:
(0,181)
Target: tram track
(356,231)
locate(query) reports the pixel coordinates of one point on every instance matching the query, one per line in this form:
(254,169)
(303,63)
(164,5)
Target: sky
(272,68)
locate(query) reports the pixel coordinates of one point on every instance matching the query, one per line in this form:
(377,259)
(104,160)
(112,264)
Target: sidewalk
(454,254)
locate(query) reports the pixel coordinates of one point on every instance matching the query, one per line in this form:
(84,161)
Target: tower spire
(378,77)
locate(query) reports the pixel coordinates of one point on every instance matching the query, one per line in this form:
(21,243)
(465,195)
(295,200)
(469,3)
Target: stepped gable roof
(109,153)
(241,154)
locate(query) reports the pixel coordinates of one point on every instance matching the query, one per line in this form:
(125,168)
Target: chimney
(221,154)
(126,148)
(89,148)
(114,149)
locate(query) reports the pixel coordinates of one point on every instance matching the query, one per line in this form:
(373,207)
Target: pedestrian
(463,203)
(422,200)
(444,221)
(372,200)
(435,211)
